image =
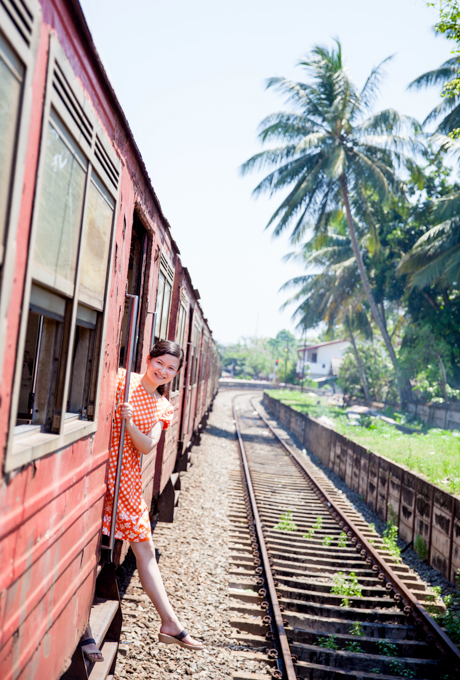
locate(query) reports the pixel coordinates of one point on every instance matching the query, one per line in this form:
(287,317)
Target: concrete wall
(234,384)
(422,508)
(444,416)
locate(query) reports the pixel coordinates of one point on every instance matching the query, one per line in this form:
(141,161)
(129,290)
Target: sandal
(90,655)
(177,640)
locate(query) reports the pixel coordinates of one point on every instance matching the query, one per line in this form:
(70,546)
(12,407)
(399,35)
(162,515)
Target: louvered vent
(21,16)
(166,267)
(63,89)
(184,299)
(107,165)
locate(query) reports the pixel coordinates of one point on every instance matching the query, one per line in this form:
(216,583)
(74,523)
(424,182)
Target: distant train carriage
(82,236)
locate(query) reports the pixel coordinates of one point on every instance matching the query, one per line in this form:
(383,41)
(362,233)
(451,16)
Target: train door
(135,285)
(184,435)
(195,362)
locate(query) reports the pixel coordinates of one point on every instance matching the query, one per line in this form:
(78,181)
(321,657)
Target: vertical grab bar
(133,312)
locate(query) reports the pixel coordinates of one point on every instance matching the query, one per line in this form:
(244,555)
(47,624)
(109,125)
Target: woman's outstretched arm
(145,443)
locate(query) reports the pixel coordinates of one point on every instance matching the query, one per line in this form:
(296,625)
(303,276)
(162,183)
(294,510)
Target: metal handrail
(133,313)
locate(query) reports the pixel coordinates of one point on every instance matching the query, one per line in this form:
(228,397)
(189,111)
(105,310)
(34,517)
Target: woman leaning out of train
(146,414)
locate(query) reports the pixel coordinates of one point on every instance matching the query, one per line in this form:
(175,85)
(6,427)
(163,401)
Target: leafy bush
(450,618)
(378,370)
(317,525)
(328,642)
(347,586)
(342,540)
(286,523)
(421,547)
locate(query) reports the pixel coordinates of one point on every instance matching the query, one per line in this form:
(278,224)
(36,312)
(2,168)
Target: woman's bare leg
(91,649)
(153,585)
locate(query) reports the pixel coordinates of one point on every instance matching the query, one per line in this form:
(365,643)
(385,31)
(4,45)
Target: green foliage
(327,540)
(378,370)
(357,629)
(428,358)
(353,646)
(390,535)
(348,586)
(433,452)
(431,599)
(328,642)
(450,618)
(286,523)
(316,526)
(449,26)
(255,357)
(342,540)
(388,648)
(421,547)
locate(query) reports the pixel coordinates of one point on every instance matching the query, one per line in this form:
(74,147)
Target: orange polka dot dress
(133,523)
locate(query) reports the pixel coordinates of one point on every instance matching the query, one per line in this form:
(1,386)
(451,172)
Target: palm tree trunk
(443,373)
(367,288)
(362,376)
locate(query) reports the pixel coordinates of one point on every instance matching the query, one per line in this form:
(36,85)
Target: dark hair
(167,347)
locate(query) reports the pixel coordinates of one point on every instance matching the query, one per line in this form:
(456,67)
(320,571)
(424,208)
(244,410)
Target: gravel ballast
(193,560)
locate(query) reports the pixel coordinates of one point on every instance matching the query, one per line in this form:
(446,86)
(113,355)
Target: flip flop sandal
(177,640)
(89,655)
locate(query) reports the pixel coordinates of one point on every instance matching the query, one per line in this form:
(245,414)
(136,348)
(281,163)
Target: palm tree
(333,295)
(449,107)
(332,157)
(435,257)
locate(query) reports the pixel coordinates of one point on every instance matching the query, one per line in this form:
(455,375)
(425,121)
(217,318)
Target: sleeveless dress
(133,523)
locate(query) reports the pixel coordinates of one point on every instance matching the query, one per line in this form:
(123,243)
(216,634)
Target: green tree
(332,157)
(377,368)
(334,294)
(449,73)
(284,348)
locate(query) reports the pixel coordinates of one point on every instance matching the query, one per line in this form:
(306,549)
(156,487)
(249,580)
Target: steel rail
(430,625)
(282,637)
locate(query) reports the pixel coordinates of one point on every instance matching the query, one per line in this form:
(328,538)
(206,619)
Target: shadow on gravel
(219,432)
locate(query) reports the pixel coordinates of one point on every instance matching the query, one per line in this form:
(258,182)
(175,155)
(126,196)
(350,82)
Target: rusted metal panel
(52,508)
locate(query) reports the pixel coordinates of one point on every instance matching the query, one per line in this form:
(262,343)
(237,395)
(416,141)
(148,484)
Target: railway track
(299,533)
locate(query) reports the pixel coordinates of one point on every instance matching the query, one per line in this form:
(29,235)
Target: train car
(90,275)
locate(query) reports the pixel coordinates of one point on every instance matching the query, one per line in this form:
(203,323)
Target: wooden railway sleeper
(277,632)
(402,596)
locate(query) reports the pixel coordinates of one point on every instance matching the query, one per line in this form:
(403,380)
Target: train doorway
(135,286)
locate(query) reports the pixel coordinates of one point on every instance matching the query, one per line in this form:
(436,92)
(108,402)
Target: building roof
(321,344)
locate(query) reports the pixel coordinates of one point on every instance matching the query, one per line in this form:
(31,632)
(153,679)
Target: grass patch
(432,452)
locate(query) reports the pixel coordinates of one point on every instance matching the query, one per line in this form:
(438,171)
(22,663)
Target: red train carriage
(82,236)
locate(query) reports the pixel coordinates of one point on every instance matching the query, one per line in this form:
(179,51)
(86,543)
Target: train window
(180,336)
(165,311)
(196,352)
(61,334)
(60,209)
(11,78)
(163,303)
(96,244)
(42,356)
(83,379)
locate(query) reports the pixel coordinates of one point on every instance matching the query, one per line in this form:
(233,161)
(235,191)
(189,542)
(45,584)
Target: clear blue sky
(191,75)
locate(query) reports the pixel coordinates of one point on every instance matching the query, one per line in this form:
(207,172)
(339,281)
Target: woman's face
(162,370)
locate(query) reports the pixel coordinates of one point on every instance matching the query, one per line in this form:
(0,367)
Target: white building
(322,360)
